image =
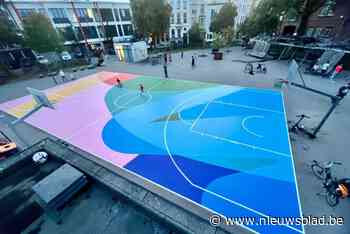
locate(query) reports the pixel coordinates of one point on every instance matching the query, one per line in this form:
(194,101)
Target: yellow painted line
(63,92)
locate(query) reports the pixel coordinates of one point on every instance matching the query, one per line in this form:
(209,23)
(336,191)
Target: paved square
(225,148)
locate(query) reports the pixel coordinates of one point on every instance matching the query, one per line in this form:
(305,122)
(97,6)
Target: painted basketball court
(224,148)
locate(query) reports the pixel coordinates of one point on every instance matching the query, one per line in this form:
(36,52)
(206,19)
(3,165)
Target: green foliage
(228,33)
(218,41)
(196,35)
(40,35)
(8,33)
(266,17)
(225,18)
(151,17)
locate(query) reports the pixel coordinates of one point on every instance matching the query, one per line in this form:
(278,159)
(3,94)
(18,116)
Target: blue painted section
(265,195)
(215,141)
(168,176)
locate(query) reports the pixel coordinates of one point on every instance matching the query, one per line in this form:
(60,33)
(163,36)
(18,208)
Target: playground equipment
(332,57)
(260,49)
(294,73)
(40,99)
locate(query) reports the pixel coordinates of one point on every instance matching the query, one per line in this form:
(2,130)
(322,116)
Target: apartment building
(187,12)
(79,21)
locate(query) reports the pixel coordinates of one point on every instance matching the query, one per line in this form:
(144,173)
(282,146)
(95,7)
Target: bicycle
(334,189)
(249,68)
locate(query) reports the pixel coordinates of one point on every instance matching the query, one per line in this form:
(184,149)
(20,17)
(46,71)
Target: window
(59,15)
(42,11)
(179,33)
(90,32)
(111,31)
(194,12)
(127,29)
(185,18)
(328,8)
(178,4)
(172,19)
(202,9)
(97,15)
(67,33)
(184,3)
(25,12)
(116,14)
(106,14)
(178,18)
(120,30)
(84,15)
(125,14)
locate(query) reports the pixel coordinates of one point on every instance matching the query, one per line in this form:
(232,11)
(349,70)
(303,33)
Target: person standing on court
(142,89)
(165,58)
(165,67)
(182,54)
(193,62)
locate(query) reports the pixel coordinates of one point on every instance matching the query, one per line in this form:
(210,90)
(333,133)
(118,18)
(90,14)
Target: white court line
(248,107)
(165,129)
(227,139)
(247,129)
(199,116)
(78,132)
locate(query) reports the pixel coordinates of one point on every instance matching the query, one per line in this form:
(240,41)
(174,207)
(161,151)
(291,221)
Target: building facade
(331,21)
(187,12)
(79,21)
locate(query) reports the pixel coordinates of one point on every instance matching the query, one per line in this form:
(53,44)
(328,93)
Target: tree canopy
(265,18)
(151,17)
(8,32)
(40,35)
(225,18)
(196,35)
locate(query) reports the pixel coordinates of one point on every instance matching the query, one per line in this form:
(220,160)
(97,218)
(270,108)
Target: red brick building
(331,21)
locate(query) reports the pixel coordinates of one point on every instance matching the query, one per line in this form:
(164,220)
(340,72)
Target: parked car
(65,56)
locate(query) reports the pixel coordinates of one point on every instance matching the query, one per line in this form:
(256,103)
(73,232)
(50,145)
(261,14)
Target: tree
(151,17)
(307,8)
(225,18)
(8,32)
(196,35)
(40,35)
(228,34)
(265,18)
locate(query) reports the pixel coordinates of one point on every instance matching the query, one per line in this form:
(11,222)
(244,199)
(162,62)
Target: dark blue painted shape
(161,170)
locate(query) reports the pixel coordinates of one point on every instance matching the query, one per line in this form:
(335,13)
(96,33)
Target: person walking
(165,68)
(338,69)
(182,54)
(142,89)
(324,68)
(165,58)
(119,83)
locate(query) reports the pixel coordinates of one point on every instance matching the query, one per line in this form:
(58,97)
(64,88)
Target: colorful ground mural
(225,148)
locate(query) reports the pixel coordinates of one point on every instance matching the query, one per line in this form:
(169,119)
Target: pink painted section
(79,119)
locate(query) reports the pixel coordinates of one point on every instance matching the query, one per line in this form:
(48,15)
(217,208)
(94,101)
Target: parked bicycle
(260,68)
(334,189)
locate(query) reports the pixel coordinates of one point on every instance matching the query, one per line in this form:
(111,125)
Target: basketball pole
(29,113)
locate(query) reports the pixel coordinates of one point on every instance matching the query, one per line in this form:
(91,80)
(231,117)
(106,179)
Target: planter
(218,55)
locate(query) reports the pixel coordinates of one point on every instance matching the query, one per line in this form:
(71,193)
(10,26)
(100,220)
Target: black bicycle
(334,189)
(260,68)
